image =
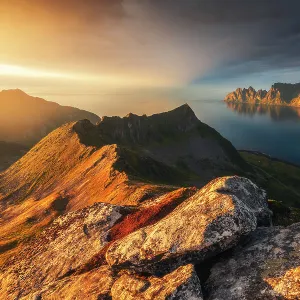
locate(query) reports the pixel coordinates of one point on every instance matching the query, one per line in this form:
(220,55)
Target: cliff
(279,94)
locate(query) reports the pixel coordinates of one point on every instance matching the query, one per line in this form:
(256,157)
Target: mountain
(279,94)
(123,161)
(25,119)
(135,208)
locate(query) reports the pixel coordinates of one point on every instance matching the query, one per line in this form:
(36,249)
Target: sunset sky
(94,52)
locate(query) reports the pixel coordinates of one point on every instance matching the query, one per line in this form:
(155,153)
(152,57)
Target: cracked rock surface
(211,221)
(266,267)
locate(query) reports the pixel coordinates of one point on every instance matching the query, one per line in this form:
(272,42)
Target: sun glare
(106,79)
(11,70)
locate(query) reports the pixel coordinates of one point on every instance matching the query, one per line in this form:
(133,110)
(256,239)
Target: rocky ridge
(279,94)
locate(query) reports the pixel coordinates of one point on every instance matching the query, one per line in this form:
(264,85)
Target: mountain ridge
(79,164)
(26,119)
(285,94)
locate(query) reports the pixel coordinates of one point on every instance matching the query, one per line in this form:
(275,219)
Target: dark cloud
(273,28)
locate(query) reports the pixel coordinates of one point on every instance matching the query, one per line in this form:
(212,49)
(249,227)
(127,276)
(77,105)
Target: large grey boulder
(265,268)
(182,284)
(211,221)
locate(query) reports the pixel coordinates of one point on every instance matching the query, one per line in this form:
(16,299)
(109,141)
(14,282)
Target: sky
(108,55)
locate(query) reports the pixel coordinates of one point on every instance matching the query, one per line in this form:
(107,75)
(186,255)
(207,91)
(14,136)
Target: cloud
(165,42)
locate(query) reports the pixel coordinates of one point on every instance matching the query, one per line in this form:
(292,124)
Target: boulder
(211,221)
(70,242)
(266,267)
(182,284)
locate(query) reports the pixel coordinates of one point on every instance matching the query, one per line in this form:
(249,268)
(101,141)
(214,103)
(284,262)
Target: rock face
(68,243)
(182,284)
(267,267)
(279,94)
(211,221)
(69,258)
(246,95)
(26,120)
(176,138)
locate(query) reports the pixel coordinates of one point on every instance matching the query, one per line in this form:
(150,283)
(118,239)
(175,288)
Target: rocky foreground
(106,251)
(279,94)
(89,221)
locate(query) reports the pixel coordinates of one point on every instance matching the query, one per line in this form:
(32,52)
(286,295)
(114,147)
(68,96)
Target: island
(285,94)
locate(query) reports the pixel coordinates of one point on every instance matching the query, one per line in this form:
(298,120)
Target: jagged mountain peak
(134,129)
(279,94)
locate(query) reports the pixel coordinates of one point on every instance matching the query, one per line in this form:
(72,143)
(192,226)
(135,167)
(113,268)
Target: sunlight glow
(106,79)
(11,70)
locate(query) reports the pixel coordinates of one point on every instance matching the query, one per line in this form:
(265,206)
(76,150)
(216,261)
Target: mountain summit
(280,94)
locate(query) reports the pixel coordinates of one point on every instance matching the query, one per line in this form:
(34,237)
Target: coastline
(265,104)
(269,157)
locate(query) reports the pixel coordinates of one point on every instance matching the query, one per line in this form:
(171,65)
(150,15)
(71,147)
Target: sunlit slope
(124,161)
(61,174)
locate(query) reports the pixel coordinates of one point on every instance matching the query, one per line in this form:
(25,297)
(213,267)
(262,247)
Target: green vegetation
(281,180)
(283,215)
(143,168)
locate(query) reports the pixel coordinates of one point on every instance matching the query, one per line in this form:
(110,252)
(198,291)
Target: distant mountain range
(25,120)
(280,94)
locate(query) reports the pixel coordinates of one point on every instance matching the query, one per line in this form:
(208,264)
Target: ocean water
(273,130)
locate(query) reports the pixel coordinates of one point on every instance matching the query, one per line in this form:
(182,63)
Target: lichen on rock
(209,222)
(267,267)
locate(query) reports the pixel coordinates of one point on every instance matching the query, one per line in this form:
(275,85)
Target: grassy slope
(282,182)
